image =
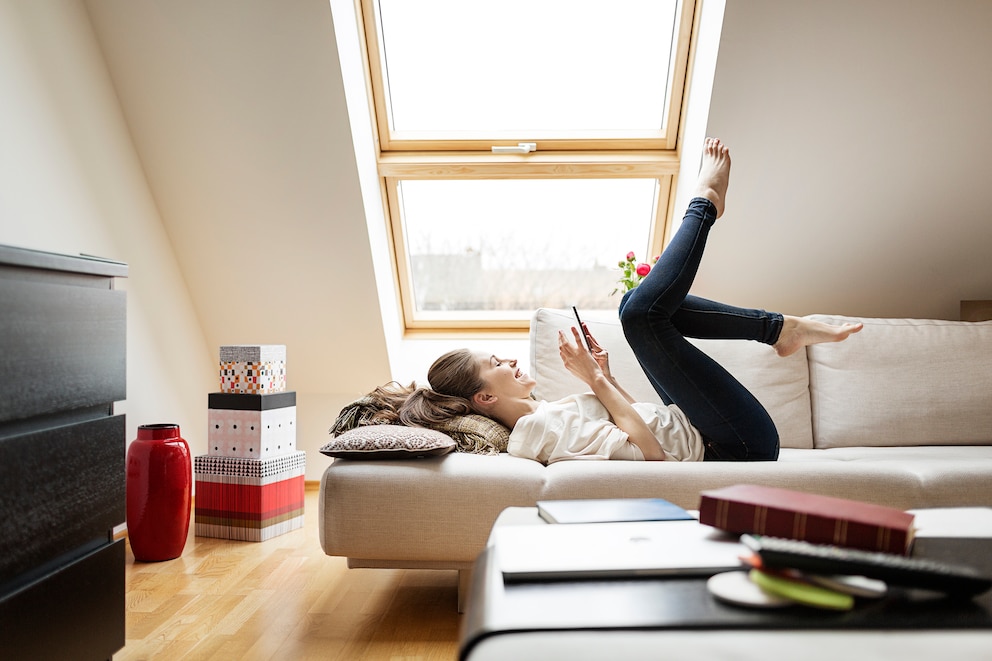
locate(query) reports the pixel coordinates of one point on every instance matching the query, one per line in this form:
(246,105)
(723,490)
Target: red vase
(159,493)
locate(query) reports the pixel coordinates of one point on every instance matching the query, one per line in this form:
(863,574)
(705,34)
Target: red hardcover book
(761,510)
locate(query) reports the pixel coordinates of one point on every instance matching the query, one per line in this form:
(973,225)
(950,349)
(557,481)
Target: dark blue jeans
(657,317)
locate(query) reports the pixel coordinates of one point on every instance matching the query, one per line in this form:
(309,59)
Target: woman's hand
(578,360)
(601,355)
(602,358)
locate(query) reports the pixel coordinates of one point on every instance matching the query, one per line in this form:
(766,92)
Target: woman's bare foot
(799,332)
(714,174)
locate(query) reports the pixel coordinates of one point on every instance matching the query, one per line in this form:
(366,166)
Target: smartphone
(582,329)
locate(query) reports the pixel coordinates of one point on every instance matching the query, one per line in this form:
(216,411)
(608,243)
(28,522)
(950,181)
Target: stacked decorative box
(249,485)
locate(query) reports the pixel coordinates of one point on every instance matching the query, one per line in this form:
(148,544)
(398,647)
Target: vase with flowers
(632,272)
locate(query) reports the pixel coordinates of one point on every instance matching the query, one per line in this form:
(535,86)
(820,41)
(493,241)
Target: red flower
(630,256)
(643,269)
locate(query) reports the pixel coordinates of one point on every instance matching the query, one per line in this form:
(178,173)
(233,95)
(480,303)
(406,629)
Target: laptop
(614,550)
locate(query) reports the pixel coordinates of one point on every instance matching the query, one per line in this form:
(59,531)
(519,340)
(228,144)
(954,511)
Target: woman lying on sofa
(708,414)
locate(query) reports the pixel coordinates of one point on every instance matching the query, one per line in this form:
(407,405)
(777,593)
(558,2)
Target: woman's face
(503,378)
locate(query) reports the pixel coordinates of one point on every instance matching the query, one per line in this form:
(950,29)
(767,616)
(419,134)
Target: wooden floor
(284,599)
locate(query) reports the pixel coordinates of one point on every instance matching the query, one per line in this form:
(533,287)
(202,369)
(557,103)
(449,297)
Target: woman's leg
(659,314)
(733,423)
(709,320)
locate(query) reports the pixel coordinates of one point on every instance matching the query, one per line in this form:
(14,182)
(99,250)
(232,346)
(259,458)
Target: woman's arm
(580,362)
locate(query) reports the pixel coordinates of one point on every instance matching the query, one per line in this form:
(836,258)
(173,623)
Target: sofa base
(438,513)
(464,570)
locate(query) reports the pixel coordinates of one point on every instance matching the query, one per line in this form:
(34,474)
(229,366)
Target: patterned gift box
(253,368)
(249,499)
(251,426)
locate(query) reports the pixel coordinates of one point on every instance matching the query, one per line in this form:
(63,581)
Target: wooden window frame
(405,156)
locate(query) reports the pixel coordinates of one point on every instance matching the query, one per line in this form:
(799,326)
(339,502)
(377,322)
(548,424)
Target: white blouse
(580,427)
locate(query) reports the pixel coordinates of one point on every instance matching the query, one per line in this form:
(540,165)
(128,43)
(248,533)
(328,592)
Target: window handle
(519,148)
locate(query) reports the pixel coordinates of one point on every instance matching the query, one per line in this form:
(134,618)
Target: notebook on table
(615,550)
(609,510)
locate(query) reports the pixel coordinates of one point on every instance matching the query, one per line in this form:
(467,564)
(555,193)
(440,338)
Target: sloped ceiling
(238,114)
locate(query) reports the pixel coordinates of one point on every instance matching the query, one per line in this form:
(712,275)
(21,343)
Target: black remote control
(824,559)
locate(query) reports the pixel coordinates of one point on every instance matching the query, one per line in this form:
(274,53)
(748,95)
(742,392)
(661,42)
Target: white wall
(238,114)
(218,133)
(860,138)
(71,182)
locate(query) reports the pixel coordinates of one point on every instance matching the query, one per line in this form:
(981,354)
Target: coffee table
(676,618)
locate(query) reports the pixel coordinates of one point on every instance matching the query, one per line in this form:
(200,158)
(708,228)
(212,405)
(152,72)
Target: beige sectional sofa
(900,415)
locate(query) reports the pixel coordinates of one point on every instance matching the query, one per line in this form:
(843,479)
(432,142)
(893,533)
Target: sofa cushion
(388,442)
(903,382)
(780,384)
(441,509)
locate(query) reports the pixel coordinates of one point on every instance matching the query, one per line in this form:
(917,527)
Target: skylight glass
(522,244)
(529,67)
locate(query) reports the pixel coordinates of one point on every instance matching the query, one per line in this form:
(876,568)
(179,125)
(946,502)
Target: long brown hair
(454,378)
(386,402)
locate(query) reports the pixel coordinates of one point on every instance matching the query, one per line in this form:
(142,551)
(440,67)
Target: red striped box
(249,499)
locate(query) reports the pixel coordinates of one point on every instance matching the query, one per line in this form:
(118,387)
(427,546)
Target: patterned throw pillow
(388,442)
(472,432)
